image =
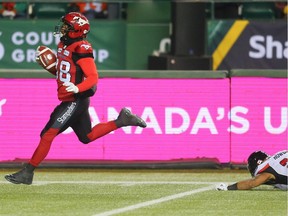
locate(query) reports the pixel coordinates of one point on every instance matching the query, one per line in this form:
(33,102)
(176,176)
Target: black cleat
(21,177)
(126,118)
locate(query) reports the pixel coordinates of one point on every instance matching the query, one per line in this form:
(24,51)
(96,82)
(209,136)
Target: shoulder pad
(84,47)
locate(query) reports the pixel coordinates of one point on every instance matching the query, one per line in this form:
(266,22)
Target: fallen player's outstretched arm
(247,184)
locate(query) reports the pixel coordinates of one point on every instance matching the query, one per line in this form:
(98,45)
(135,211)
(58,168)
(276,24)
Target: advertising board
(186,119)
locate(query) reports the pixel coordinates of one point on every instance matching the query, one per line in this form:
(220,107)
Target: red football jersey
(75,63)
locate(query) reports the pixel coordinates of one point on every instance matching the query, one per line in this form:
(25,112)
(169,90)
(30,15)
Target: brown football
(46,58)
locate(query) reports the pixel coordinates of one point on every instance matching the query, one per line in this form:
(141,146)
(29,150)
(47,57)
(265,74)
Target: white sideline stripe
(115,182)
(153,202)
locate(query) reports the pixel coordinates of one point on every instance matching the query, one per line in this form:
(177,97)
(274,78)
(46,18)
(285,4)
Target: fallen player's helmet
(255,159)
(78,25)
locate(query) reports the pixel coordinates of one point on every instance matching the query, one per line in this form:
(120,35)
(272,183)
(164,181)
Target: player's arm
(90,71)
(249,183)
(91,77)
(254,182)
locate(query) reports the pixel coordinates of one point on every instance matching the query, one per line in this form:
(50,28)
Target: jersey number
(64,74)
(284,161)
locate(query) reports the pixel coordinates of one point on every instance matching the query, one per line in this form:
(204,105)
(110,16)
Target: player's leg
(126,118)
(85,134)
(55,124)
(82,126)
(25,175)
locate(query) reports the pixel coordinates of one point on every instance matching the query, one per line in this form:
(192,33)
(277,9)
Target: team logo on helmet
(259,162)
(80,21)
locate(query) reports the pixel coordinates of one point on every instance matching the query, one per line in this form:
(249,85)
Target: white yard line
(128,183)
(153,202)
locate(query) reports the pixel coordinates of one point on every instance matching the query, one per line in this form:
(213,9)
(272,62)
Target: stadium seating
(22,9)
(148,12)
(258,10)
(48,10)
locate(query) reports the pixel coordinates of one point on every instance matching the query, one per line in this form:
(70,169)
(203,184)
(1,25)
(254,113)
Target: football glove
(221,187)
(71,87)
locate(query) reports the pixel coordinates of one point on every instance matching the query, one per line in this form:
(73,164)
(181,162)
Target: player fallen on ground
(265,170)
(77,79)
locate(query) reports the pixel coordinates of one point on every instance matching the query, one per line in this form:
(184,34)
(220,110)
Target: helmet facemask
(61,29)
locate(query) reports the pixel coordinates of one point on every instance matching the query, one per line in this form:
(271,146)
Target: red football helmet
(78,25)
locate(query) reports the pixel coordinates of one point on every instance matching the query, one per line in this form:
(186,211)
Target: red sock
(101,129)
(43,147)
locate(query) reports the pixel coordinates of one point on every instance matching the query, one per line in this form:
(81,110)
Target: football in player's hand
(46,58)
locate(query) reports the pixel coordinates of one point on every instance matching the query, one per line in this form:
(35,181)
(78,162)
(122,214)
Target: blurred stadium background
(208,76)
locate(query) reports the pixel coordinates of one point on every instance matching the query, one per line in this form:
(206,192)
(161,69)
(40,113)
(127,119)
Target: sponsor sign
(186,118)
(20,39)
(244,44)
(262,116)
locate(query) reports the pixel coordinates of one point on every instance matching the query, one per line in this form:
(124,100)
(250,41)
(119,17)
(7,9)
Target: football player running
(77,79)
(264,169)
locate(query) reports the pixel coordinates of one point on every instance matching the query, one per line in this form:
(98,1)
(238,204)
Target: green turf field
(122,192)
